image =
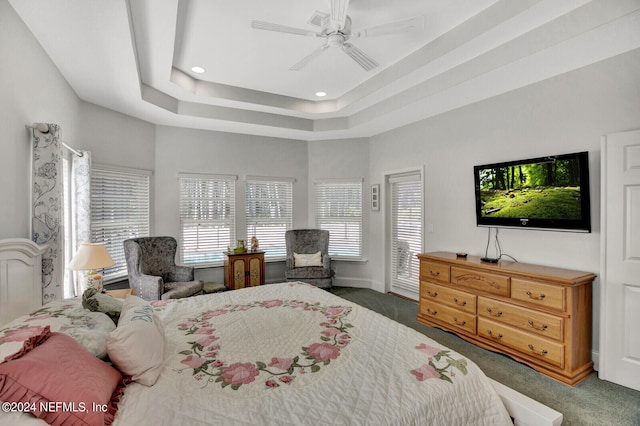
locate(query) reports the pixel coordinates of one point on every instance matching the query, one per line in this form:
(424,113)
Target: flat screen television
(550,193)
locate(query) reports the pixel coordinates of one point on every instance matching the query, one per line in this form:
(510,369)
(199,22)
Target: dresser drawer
(538,294)
(526,343)
(481,281)
(526,319)
(455,298)
(434,271)
(449,316)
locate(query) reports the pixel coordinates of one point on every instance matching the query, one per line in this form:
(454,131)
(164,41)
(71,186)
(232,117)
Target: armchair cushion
(179,290)
(307,272)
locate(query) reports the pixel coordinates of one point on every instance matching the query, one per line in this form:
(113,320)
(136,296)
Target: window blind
(406,229)
(207,218)
(339,211)
(269,213)
(119,210)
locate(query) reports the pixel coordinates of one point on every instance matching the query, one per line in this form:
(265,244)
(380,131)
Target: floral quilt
(291,353)
(90,329)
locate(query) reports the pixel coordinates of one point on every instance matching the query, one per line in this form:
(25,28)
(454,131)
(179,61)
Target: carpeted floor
(591,402)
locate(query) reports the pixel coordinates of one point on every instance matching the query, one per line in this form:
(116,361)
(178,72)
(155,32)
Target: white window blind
(119,210)
(339,211)
(269,213)
(207,218)
(406,229)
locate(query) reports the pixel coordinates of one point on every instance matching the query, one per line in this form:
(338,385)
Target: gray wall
(564,114)
(180,150)
(342,159)
(33,90)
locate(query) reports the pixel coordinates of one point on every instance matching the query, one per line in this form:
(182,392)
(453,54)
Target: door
(255,271)
(406,232)
(239,272)
(620,263)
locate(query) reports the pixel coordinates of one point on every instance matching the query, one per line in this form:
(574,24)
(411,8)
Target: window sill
(351,260)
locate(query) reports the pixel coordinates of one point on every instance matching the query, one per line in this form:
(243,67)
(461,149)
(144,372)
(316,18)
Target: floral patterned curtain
(46,198)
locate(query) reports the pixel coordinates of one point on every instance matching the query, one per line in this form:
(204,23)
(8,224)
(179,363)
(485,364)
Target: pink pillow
(62,383)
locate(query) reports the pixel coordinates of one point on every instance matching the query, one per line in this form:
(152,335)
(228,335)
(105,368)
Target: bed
(286,353)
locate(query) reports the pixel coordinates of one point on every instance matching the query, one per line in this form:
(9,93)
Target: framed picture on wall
(375,197)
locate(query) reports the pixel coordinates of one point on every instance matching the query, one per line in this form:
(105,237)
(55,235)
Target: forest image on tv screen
(546,190)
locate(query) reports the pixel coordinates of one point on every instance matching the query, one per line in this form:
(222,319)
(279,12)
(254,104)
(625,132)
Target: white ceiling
(135,57)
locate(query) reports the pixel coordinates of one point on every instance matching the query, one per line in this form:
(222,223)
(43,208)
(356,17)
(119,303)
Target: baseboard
(351,282)
(595,357)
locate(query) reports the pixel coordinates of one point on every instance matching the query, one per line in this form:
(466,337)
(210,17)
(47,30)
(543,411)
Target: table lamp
(89,257)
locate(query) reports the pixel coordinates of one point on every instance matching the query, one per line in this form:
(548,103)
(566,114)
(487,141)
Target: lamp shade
(90,256)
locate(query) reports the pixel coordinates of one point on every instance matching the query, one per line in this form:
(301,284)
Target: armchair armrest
(148,287)
(181,273)
(289,263)
(326,262)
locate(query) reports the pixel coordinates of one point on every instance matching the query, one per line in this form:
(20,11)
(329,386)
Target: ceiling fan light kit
(335,27)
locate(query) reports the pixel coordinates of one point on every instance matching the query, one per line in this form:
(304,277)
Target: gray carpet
(591,402)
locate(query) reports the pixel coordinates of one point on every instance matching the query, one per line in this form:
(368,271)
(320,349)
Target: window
(269,213)
(207,218)
(119,210)
(339,211)
(406,229)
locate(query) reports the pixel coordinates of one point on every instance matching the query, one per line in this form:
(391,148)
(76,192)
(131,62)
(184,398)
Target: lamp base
(94,280)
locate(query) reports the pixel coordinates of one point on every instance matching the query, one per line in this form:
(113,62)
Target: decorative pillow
(302,260)
(136,346)
(98,302)
(90,329)
(62,383)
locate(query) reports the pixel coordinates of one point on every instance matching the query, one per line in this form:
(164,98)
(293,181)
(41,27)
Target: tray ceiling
(136,56)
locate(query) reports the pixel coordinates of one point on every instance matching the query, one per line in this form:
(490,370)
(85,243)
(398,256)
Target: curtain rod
(44,128)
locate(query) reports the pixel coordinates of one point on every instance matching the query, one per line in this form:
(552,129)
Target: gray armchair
(153,273)
(308,242)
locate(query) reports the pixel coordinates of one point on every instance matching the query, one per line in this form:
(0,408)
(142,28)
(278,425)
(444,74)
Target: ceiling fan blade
(398,27)
(268,26)
(310,57)
(338,13)
(364,60)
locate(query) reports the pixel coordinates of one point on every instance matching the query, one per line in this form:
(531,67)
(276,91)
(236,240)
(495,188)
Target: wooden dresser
(538,315)
(243,269)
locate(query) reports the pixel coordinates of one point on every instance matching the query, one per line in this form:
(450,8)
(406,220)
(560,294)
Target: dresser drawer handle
(434,294)
(429,311)
(538,297)
(462,303)
(461,324)
(541,353)
(543,327)
(435,274)
(497,314)
(497,337)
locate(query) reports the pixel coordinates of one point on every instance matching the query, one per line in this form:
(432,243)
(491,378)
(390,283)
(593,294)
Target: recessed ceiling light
(197,70)
(321,94)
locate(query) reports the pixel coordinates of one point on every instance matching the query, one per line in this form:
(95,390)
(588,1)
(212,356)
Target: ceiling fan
(335,27)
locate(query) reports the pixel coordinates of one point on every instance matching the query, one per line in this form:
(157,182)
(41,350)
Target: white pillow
(302,260)
(136,346)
